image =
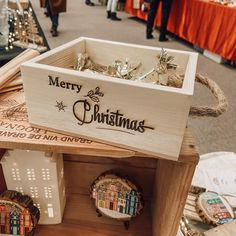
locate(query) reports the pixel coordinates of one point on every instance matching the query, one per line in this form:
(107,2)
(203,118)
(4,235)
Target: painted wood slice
(214,209)
(18,215)
(116,197)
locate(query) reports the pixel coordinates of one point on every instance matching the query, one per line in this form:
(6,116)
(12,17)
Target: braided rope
(214,111)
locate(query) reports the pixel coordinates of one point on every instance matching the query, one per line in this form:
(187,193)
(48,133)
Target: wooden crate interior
(106,53)
(81,171)
(65,58)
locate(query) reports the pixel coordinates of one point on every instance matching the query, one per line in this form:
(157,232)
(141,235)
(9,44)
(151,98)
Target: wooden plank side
(79,176)
(139,162)
(188,151)
(171,189)
(3,186)
(80,218)
(100,52)
(67,58)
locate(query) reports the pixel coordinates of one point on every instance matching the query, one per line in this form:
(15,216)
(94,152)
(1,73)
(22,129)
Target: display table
(205,24)
(165,183)
(7,55)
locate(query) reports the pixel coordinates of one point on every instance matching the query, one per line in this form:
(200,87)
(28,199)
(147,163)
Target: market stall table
(7,55)
(165,183)
(206,24)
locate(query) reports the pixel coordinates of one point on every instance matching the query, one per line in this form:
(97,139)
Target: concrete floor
(211,134)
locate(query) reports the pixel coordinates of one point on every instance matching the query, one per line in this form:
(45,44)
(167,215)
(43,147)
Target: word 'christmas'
(86,113)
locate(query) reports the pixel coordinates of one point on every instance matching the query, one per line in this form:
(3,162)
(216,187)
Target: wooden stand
(165,183)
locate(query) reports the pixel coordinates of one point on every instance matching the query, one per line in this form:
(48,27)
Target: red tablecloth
(208,25)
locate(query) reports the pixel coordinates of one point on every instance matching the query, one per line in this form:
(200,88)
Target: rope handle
(214,111)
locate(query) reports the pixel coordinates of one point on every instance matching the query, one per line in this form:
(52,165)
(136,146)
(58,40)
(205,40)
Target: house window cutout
(20,189)
(15,174)
(31,174)
(38,206)
(34,192)
(46,174)
(50,211)
(48,192)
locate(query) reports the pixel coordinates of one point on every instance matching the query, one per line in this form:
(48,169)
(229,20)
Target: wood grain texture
(80,219)
(9,70)
(80,176)
(153,117)
(171,189)
(139,162)
(3,186)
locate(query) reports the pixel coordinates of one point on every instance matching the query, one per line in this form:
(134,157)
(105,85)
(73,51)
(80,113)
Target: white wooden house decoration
(40,176)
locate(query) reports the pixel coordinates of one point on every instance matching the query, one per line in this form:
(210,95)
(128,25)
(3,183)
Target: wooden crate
(165,183)
(136,115)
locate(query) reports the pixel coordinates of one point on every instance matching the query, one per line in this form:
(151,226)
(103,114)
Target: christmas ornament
(116,197)
(18,215)
(214,209)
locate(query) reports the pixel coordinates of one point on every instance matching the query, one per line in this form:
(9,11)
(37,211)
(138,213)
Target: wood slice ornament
(116,197)
(18,215)
(214,209)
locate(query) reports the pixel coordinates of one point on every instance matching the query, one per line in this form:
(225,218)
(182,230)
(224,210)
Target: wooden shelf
(80,218)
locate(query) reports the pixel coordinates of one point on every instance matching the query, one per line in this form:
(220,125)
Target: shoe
(54,32)
(114,17)
(163,38)
(149,36)
(89,3)
(108,14)
(46,14)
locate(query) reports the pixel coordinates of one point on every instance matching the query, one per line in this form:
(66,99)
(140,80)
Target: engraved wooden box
(130,114)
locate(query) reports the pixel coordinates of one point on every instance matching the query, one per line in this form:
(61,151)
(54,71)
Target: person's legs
(113,10)
(48,9)
(109,3)
(151,18)
(166,7)
(55,19)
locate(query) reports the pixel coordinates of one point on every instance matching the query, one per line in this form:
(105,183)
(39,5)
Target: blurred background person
(89,3)
(111,10)
(152,12)
(54,7)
